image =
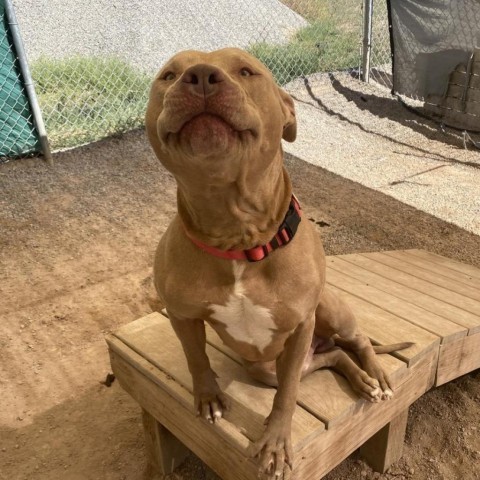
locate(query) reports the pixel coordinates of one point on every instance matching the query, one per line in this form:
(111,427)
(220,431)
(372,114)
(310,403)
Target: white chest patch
(244,321)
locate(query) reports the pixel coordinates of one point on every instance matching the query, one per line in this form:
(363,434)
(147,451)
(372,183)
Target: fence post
(367,39)
(29,86)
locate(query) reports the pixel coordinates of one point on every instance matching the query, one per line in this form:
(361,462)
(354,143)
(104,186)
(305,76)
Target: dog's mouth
(208,120)
(205,120)
(207,132)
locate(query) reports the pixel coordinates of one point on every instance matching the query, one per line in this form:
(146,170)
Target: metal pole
(367,39)
(29,86)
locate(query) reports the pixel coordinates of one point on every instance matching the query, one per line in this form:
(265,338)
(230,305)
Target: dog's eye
(168,76)
(246,72)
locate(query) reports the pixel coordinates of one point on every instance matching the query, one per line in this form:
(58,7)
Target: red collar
(284,235)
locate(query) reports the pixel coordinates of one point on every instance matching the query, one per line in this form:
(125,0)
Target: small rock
(411,471)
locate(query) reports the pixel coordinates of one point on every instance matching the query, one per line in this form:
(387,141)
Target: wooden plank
(469,270)
(456,91)
(221,446)
(341,399)
(436,268)
(209,442)
(172,388)
(440,293)
(164,451)
(458,358)
(386,446)
(154,339)
(440,326)
(461,120)
(333,446)
(446,310)
(384,328)
(396,261)
(458,78)
(473,108)
(453,103)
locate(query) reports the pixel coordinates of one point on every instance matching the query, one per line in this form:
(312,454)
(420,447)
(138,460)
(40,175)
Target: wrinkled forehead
(226,59)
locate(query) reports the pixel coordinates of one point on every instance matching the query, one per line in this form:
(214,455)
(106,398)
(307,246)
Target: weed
(319,47)
(84,99)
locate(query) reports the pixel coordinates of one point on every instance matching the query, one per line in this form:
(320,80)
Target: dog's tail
(347,345)
(392,348)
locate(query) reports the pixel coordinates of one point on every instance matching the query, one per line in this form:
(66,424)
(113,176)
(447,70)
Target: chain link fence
(330,40)
(381,57)
(92,62)
(17,131)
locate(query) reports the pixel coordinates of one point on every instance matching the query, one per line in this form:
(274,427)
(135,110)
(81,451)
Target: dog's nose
(203,79)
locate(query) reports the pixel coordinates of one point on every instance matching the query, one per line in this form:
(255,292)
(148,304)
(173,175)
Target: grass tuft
(320,47)
(330,42)
(84,99)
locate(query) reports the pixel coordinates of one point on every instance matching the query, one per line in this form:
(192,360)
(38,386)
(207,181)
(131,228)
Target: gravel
(146,33)
(360,132)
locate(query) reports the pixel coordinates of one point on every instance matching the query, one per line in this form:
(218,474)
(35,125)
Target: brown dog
(216,120)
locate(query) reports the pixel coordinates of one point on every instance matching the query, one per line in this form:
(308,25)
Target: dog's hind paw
(367,387)
(387,394)
(376,395)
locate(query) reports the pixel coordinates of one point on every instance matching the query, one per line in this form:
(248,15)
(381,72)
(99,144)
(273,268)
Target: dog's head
(217,114)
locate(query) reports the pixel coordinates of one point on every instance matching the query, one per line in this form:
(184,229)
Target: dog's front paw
(211,405)
(210,402)
(273,450)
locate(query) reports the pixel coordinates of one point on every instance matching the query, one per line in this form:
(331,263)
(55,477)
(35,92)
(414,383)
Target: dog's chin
(208,135)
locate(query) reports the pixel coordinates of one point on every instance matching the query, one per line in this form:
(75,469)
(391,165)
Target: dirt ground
(77,241)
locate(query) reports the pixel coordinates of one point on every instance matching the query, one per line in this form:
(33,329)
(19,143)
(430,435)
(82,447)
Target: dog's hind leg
(366,386)
(333,317)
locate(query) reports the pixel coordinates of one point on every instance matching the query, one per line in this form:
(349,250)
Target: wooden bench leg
(386,446)
(165,452)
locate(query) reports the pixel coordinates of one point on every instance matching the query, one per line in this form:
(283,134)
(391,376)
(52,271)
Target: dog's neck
(239,215)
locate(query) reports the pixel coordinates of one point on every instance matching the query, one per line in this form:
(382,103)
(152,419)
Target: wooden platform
(397,296)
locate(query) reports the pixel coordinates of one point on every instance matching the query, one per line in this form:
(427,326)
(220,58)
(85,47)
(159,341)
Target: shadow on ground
(77,243)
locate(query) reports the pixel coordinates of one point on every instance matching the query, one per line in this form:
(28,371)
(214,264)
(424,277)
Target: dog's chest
(242,319)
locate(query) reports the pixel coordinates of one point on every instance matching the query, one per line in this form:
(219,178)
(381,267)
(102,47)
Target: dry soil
(77,241)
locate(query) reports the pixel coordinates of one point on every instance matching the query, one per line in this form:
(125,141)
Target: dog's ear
(290,125)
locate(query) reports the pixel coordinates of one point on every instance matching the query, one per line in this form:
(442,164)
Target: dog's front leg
(274,448)
(209,400)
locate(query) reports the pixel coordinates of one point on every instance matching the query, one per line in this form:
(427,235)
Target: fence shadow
(392,109)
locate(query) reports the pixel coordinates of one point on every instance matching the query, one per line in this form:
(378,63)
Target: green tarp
(18,135)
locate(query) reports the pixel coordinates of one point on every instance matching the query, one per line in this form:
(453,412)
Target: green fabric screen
(18,135)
